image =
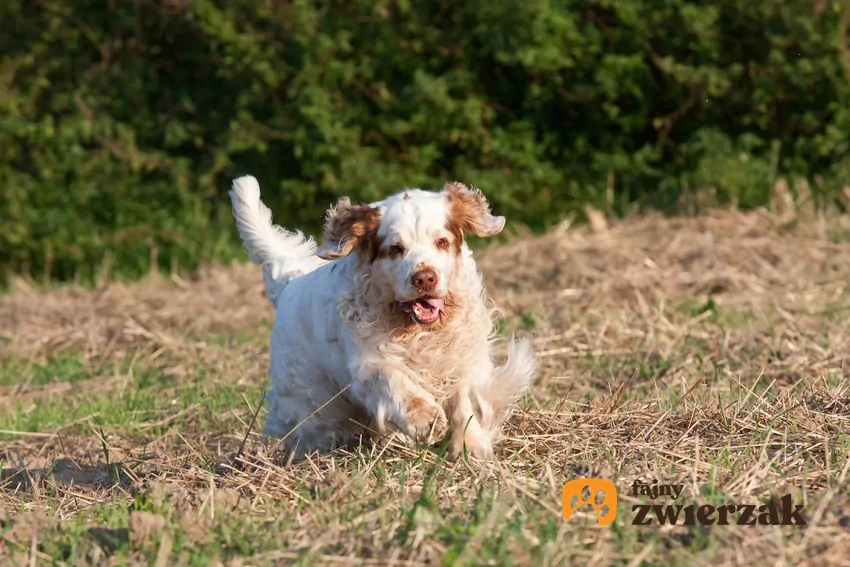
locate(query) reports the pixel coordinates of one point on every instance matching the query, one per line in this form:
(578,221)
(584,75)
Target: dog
(384,329)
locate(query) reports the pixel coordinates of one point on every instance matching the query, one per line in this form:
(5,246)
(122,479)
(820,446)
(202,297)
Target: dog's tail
(509,383)
(283,255)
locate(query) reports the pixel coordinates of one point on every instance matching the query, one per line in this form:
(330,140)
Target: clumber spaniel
(386,325)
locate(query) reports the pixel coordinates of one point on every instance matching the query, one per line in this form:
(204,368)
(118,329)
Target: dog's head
(412,242)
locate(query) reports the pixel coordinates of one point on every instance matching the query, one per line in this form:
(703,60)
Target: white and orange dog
(386,325)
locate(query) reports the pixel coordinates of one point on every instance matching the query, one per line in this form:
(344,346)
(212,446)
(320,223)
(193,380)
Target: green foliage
(122,123)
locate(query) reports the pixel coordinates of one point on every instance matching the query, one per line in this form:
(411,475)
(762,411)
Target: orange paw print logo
(572,498)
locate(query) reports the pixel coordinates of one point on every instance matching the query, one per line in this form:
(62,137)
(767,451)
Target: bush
(122,124)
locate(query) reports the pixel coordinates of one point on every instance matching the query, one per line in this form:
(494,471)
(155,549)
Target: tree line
(122,123)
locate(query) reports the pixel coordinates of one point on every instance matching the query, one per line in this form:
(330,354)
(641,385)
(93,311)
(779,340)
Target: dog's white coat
(334,324)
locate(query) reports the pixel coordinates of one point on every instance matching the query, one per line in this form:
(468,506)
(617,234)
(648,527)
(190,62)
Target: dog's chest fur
(433,356)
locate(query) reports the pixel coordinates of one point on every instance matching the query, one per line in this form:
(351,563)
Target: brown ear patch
(470,213)
(349,228)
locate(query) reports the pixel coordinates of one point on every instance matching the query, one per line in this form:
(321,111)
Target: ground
(706,352)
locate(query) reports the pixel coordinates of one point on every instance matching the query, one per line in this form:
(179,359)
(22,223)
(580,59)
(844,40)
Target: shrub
(122,124)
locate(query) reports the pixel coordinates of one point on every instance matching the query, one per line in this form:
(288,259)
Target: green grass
(65,368)
(120,451)
(148,397)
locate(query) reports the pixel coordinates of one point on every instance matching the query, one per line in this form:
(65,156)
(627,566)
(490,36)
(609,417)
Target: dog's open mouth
(424,310)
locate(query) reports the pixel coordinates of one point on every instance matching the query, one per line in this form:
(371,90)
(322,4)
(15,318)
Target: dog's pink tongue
(438,304)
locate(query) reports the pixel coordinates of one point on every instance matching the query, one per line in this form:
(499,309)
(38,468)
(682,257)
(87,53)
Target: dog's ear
(470,211)
(350,227)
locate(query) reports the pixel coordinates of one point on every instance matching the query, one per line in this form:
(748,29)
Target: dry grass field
(707,352)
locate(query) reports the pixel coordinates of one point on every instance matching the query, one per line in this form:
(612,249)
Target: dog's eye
(442,243)
(396,250)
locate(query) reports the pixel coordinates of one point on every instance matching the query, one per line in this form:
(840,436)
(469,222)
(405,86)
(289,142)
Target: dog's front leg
(395,402)
(465,427)
(485,395)
(470,412)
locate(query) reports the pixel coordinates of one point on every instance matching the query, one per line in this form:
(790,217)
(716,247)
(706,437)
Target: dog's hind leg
(307,410)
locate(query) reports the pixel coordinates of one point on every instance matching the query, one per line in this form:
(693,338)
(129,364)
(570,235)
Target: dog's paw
(478,446)
(425,420)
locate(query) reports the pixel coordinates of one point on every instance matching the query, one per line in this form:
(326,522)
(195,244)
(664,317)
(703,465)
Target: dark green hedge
(122,123)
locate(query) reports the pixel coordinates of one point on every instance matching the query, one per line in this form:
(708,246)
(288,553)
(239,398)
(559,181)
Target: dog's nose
(424,280)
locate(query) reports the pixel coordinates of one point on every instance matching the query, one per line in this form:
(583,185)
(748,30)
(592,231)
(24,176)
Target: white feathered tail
(283,254)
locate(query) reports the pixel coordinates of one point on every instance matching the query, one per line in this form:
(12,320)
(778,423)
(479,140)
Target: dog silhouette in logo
(572,500)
